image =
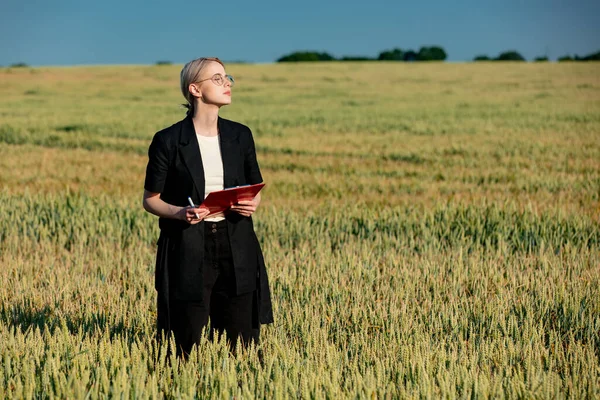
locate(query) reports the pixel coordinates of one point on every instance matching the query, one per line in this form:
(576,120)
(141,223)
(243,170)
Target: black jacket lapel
(228,139)
(190,154)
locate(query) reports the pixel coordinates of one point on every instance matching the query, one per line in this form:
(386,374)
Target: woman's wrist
(155,205)
(178,213)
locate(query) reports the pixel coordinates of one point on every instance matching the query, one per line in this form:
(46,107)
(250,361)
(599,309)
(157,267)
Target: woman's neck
(205,121)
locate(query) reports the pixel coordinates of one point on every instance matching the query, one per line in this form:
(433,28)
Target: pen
(193,206)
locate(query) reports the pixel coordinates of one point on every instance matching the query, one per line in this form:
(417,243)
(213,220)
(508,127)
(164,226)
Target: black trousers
(229,313)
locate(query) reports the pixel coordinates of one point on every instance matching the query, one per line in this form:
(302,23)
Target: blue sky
(74,32)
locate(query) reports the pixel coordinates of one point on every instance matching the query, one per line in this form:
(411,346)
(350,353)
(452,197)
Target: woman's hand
(246,207)
(193,215)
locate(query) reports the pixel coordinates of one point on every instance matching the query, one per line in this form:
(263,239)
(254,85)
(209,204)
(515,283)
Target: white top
(213,167)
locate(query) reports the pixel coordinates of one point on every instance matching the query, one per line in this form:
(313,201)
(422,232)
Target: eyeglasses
(219,79)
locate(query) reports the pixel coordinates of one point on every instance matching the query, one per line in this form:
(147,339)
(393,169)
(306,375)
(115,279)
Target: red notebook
(221,200)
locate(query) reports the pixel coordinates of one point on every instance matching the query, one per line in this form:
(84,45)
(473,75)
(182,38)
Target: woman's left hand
(246,207)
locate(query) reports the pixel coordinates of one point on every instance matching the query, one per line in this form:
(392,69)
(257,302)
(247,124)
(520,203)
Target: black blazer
(175,171)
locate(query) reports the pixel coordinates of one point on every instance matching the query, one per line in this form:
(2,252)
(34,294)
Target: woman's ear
(195,90)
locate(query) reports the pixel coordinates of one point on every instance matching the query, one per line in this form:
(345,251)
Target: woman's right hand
(155,205)
(193,215)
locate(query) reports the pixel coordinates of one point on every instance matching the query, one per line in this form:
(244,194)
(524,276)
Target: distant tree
(565,58)
(391,55)
(19,65)
(482,57)
(356,58)
(325,57)
(591,57)
(306,56)
(163,62)
(510,55)
(433,53)
(540,59)
(411,56)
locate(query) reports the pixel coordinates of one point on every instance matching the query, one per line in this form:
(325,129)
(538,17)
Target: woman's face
(209,91)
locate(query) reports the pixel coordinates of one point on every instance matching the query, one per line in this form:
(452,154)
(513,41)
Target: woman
(206,266)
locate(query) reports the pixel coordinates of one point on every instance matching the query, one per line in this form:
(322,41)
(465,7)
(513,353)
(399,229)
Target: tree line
(432,53)
(513,55)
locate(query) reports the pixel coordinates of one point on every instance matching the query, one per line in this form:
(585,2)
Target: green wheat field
(430,231)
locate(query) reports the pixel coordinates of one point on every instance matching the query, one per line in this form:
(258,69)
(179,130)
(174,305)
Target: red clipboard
(221,200)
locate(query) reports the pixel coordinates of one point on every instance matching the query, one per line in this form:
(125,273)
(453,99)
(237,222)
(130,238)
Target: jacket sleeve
(158,165)
(251,168)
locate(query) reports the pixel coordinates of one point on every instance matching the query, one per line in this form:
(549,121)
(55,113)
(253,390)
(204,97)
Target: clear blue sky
(68,32)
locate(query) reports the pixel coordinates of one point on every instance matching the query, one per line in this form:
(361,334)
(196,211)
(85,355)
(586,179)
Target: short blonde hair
(191,74)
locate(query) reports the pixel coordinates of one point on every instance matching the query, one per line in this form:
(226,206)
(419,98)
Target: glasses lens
(230,79)
(217,79)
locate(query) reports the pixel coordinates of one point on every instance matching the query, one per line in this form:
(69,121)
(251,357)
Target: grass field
(430,230)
